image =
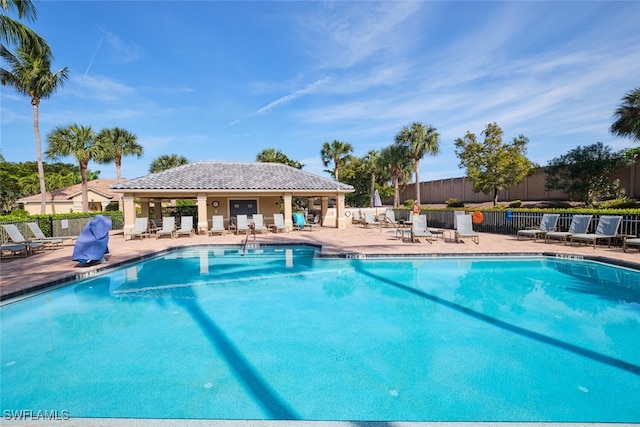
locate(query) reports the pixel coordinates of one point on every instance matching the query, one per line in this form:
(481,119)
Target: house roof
(227,176)
(99,186)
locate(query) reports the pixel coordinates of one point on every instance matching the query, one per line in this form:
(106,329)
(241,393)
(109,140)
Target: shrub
(619,203)
(559,205)
(515,204)
(408,203)
(454,203)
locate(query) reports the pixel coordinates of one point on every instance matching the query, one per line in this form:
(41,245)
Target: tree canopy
(271,155)
(627,123)
(585,173)
(167,161)
(493,166)
(14,32)
(337,152)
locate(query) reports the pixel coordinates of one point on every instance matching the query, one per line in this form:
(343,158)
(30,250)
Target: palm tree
(338,152)
(371,160)
(14,32)
(627,122)
(167,161)
(121,143)
(79,142)
(30,74)
(397,162)
(271,155)
(420,140)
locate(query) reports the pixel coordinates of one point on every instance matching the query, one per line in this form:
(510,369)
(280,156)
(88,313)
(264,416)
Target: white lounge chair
(242,224)
(634,241)
(140,228)
(419,229)
(16,237)
(464,228)
(278,223)
(168,227)
(258,223)
(390,218)
(39,236)
(370,220)
(607,229)
(579,224)
(547,223)
(217,225)
(186,226)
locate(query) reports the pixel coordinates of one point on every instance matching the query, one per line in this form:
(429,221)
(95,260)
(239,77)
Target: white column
(202,214)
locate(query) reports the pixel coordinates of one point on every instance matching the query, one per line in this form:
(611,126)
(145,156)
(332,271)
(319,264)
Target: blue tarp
(298,219)
(92,243)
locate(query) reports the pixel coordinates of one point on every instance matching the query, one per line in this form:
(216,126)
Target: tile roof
(232,176)
(100,186)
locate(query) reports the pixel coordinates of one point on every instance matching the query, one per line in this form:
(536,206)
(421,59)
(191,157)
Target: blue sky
(224,80)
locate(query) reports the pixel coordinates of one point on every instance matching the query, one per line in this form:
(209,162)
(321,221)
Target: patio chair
(607,229)
(278,223)
(258,223)
(186,226)
(547,223)
(16,237)
(579,224)
(217,225)
(168,227)
(299,221)
(49,242)
(390,218)
(455,218)
(140,229)
(357,218)
(419,229)
(464,228)
(242,224)
(13,249)
(633,241)
(370,220)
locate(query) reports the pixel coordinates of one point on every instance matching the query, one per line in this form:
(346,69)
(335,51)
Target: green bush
(408,203)
(454,203)
(515,204)
(619,203)
(559,205)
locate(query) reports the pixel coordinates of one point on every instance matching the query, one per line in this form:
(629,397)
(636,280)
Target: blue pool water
(280,334)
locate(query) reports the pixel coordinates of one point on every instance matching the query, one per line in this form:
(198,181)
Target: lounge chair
(13,249)
(547,223)
(298,221)
(168,227)
(49,242)
(419,229)
(315,223)
(464,228)
(186,227)
(370,220)
(258,223)
(634,241)
(579,224)
(140,229)
(242,224)
(217,225)
(278,223)
(455,218)
(390,218)
(16,237)
(607,229)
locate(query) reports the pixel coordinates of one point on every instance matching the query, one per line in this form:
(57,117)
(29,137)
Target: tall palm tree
(627,116)
(30,74)
(122,143)
(397,162)
(337,152)
(371,160)
(16,33)
(420,140)
(167,161)
(79,142)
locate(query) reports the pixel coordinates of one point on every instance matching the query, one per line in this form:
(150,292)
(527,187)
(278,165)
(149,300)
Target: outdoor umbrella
(376,201)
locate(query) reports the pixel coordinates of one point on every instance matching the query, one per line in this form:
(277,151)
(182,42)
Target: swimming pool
(277,333)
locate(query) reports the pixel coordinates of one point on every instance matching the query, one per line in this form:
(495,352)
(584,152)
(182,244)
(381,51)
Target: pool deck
(22,275)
